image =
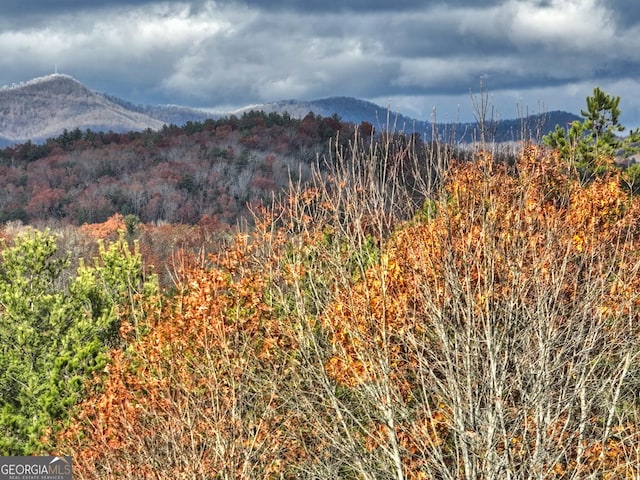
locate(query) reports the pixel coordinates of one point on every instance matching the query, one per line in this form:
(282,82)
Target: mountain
(46,106)
(169,114)
(349,109)
(354,110)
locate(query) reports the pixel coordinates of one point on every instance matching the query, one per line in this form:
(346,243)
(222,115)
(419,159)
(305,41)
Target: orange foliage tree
(496,338)
(205,393)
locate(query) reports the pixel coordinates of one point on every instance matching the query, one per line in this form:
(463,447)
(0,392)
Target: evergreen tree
(590,145)
(55,328)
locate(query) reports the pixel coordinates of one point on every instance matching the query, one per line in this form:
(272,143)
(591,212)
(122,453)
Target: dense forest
(387,309)
(209,169)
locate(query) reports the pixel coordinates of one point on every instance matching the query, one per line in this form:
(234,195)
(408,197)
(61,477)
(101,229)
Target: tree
(591,144)
(55,328)
(492,339)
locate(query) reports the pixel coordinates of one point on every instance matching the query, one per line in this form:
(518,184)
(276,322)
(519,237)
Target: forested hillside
(177,175)
(44,106)
(401,310)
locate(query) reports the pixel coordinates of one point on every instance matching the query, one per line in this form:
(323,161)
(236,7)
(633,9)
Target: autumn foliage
(204,391)
(177,174)
(493,333)
(501,333)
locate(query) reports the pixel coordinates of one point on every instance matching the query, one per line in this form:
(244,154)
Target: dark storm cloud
(35,13)
(20,7)
(626,12)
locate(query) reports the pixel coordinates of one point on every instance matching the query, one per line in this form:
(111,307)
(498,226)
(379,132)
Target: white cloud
(583,25)
(428,73)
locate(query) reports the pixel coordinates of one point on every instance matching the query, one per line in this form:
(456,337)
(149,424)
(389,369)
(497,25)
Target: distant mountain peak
(41,81)
(45,106)
(355,110)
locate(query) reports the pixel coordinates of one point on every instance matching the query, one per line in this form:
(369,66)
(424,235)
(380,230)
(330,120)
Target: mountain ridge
(355,110)
(350,109)
(44,107)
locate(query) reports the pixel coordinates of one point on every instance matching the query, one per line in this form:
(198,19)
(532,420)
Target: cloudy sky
(414,56)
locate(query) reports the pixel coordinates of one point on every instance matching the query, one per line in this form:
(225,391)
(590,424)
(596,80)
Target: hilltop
(46,106)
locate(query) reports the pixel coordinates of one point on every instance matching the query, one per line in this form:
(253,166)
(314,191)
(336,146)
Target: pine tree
(55,329)
(591,145)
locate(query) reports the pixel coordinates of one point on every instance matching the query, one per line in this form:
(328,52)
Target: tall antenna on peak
(55,68)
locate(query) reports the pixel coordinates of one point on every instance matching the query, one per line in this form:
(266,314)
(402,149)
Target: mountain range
(46,106)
